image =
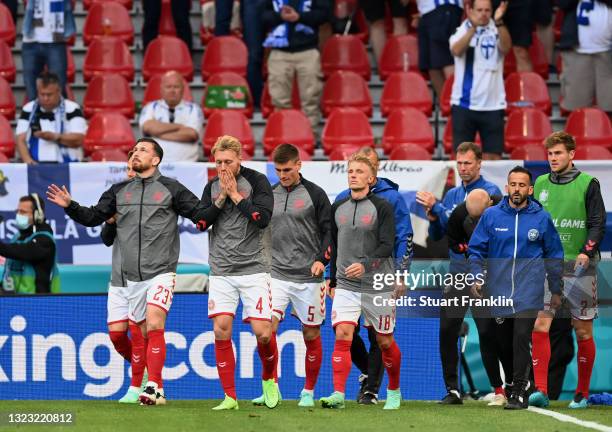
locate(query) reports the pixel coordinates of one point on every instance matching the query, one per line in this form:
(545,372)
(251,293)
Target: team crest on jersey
(488,46)
(299,204)
(543,197)
(158,196)
(128,196)
(342,219)
(366,219)
(533,234)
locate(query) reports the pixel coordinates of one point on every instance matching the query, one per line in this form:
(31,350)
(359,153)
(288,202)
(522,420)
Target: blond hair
(361,158)
(227,142)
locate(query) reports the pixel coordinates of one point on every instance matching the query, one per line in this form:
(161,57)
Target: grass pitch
(197,416)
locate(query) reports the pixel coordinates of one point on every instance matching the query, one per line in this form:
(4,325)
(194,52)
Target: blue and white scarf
(278,37)
(60,115)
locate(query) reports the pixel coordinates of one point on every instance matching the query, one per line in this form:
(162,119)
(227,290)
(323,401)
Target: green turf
(197,415)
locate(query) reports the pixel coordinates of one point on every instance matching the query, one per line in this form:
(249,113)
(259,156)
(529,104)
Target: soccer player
(370,363)
(363,235)
(118,318)
(146,208)
(238,207)
(301,248)
(469,160)
(521,248)
(573,198)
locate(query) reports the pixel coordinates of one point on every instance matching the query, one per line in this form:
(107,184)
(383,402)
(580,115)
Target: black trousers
(12,5)
(180,15)
(368,362)
(521,343)
(495,341)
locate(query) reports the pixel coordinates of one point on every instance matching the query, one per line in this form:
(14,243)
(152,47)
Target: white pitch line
(569,419)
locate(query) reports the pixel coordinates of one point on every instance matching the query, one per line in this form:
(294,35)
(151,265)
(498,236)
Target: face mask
(22,221)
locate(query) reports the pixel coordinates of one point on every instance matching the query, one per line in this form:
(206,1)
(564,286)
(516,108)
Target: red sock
(122,343)
(277,360)
(341,364)
(586,358)
(139,355)
(314,355)
(156,356)
(392,359)
(226,366)
(500,390)
(268,354)
(540,350)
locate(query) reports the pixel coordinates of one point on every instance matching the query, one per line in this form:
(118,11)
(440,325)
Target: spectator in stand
(374,11)
(293,40)
(51,128)
(586,43)
(543,16)
(519,20)
(180,15)
(176,124)
(12,6)
(47,25)
(437,22)
(252,34)
(478,99)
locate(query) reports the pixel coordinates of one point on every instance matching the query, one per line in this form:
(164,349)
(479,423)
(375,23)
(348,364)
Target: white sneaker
(160,397)
(498,400)
(149,395)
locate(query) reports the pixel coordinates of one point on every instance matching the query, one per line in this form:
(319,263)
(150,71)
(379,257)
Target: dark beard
(520,197)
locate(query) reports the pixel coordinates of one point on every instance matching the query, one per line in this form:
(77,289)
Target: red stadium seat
(531,152)
(526,126)
(228,122)
(108,93)
(232,79)
(166,53)
(304,155)
(224,54)
(405,89)
(7,139)
(108,54)
(266,101)
(527,89)
(108,155)
(537,54)
(447,138)
(407,125)
(3,158)
(108,19)
(108,130)
(345,53)
(7,100)
(7,65)
(592,152)
(590,126)
(153,90)
(400,54)
(71,68)
(343,152)
(347,126)
(7,26)
(288,126)
(166,21)
(345,89)
(409,151)
(447,92)
(125,3)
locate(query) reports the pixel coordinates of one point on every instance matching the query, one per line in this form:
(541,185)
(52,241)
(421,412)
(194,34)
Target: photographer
(51,128)
(30,256)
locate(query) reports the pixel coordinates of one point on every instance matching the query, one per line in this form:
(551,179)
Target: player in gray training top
(363,235)
(238,207)
(301,237)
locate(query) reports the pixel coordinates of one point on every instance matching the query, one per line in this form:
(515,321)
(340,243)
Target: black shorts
(519,20)
(435,29)
(374,10)
(490,125)
(542,11)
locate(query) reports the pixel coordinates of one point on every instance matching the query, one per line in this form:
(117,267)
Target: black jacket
(40,252)
(461,226)
(320,13)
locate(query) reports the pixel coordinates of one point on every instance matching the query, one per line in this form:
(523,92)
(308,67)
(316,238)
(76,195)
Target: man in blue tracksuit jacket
(521,248)
(370,364)
(469,159)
